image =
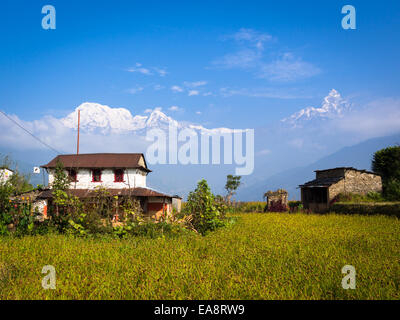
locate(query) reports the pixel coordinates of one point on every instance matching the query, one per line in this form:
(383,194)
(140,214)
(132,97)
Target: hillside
(358,156)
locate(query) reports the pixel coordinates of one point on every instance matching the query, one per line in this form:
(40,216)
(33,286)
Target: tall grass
(262,256)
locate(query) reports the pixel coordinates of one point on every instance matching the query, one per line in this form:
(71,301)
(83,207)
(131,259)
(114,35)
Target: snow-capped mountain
(104,119)
(333,106)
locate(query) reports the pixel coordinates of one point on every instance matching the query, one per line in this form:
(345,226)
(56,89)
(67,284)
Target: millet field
(260,256)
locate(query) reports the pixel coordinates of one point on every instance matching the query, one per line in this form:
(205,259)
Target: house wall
(156,206)
(177,204)
(362,182)
(133,178)
(356,182)
(5,174)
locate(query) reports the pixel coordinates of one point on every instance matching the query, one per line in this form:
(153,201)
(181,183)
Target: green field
(261,256)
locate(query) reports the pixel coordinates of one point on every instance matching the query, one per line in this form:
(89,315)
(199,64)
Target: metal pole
(79,123)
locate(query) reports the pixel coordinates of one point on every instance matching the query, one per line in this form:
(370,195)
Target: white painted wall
(5,174)
(133,178)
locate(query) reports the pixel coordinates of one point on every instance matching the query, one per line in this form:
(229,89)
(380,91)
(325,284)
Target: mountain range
(102,118)
(333,106)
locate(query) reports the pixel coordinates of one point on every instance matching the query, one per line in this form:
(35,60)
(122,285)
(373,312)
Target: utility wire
(31,134)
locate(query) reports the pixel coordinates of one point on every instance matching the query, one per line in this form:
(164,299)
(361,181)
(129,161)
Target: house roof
(100,160)
(348,168)
(90,193)
(321,182)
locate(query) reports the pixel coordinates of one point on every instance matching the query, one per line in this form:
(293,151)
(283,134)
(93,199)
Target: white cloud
(198,112)
(147,71)
(135,90)
(251,57)
(288,68)
(158,87)
(161,72)
(209,93)
(195,84)
(193,93)
(138,68)
(255,38)
(176,89)
(378,118)
(174,108)
(243,59)
(149,110)
(264,93)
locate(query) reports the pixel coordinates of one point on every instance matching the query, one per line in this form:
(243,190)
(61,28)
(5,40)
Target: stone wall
(362,182)
(356,182)
(279,195)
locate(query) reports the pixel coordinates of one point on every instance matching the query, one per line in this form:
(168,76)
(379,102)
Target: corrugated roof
(321,182)
(99,160)
(90,193)
(348,168)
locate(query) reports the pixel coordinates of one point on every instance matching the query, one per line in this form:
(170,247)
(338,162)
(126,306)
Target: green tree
(386,162)
(59,186)
(61,180)
(207,213)
(232,184)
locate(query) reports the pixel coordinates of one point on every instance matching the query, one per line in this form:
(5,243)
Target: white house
(5,174)
(122,174)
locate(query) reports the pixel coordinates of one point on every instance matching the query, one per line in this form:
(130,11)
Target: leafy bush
(207,213)
(393,190)
(295,206)
(354,197)
(388,208)
(386,162)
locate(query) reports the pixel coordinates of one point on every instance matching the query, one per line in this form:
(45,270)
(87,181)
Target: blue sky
(251,62)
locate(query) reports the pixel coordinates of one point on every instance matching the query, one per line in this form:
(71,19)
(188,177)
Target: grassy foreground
(262,256)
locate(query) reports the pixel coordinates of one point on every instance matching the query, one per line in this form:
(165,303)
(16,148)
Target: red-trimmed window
(118,175)
(72,175)
(96,175)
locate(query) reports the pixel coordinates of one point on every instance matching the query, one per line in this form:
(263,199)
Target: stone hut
(275,196)
(318,194)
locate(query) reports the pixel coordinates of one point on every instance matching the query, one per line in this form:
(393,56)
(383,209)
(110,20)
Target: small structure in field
(317,195)
(274,197)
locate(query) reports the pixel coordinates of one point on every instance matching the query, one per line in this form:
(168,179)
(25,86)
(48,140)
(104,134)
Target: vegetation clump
(207,211)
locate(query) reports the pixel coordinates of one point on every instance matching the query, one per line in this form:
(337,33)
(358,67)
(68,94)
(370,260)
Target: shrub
(295,206)
(386,162)
(354,197)
(207,213)
(388,208)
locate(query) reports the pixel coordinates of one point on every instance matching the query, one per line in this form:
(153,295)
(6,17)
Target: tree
(386,163)
(207,213)
(59,185)
(61,180)
(232,184)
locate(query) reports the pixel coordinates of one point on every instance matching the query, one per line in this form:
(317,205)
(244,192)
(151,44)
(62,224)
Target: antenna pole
(79,123)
